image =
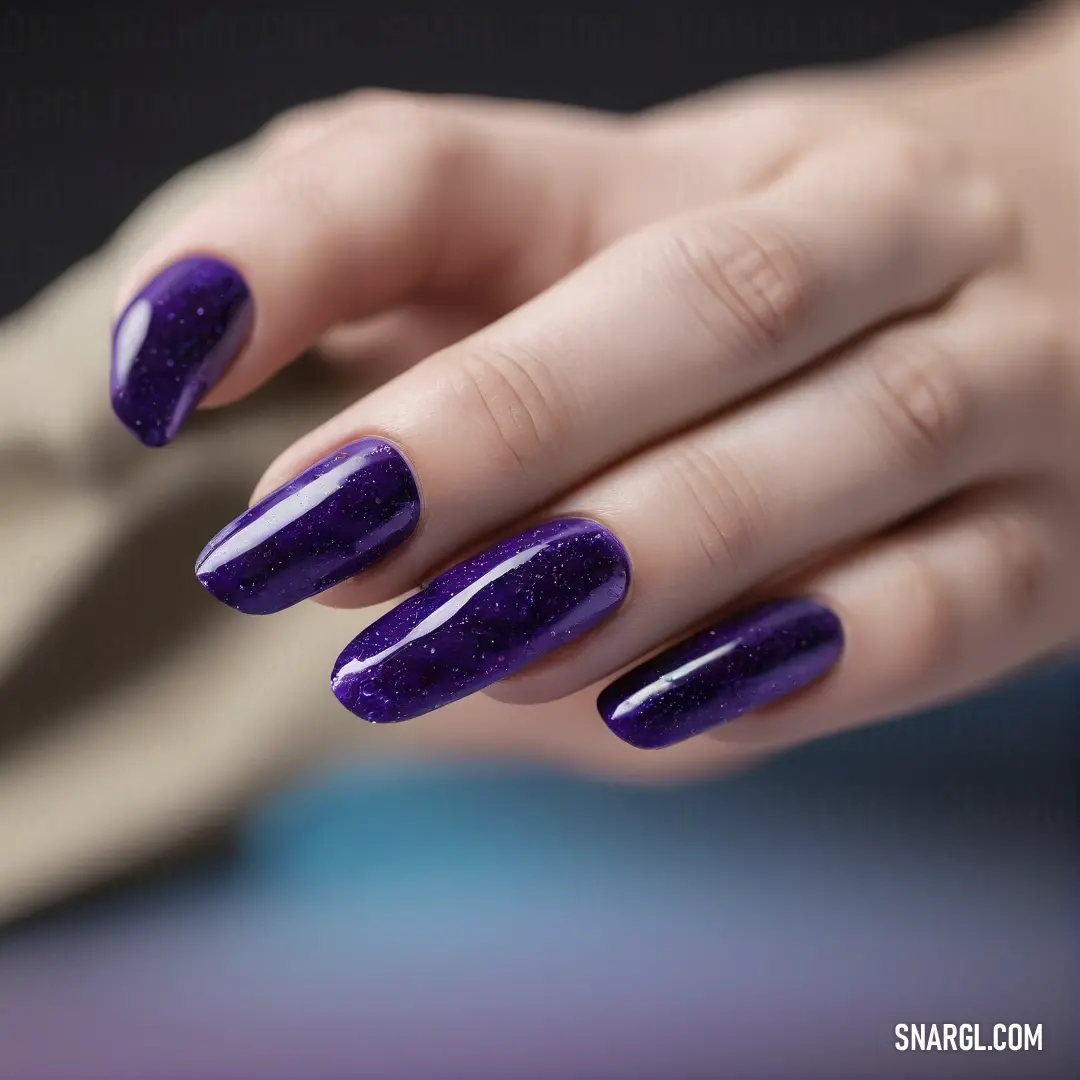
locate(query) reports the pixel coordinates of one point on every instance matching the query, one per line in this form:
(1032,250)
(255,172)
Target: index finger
(406,198)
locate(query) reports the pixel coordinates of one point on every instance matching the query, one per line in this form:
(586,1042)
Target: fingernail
(174,341)
(715,676)
(335,519)
(482,620)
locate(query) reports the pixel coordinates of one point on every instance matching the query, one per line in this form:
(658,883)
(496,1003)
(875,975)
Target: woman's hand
(772,385)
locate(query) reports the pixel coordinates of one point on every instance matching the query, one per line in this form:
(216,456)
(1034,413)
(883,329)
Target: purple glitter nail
(715,676)
(338,517)
(482,620)
(174,341)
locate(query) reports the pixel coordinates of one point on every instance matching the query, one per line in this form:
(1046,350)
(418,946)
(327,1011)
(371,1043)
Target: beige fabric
(133,708)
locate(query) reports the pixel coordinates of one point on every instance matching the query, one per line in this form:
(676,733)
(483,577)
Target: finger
(395,340)
(411,199)
(657,331)
(932,612)
(891,426)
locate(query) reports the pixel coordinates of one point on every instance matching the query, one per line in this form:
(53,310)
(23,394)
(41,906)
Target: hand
(782,359)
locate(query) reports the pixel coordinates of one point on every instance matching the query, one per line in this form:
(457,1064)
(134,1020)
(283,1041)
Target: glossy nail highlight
(174,341)
(482,620)
(719,674)
(335,519)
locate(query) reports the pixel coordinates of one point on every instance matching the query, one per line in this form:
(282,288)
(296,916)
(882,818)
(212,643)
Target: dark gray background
(100,103)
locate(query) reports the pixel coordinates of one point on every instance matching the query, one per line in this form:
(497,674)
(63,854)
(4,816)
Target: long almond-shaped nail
(338,517)
(483,619)
(174,341)
(763,655)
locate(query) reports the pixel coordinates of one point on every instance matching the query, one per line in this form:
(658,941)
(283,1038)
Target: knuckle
(1018,562)
(748,279)
(1051,374)
(1050,338)
(525,412)
(918,398)
(916,157)
(415,123)
(998,212)
(787,120)
(1015,565)
(1044,375)
(291,130)
(920,160)
(723,509)
(934,643)
(379,107)
(1052,360)
(416,147)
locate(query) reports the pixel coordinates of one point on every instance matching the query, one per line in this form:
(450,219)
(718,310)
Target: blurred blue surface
(435,922)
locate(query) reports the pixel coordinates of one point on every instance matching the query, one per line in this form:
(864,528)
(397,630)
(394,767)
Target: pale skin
(811,335)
